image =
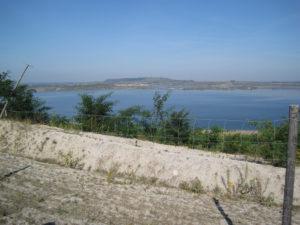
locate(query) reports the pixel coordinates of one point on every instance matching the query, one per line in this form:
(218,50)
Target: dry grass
(194,186)
(69,160)
(251,189)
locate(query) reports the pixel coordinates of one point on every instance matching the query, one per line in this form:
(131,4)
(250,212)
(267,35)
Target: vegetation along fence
(257,141)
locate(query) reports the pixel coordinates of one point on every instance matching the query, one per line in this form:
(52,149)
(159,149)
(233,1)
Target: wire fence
(255,140)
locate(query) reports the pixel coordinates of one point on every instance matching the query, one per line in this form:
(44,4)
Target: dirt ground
(45,192)
(170,164)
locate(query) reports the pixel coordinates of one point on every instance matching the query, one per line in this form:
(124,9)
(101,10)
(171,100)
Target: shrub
(126,122)
(59,121)
(112,173)
(177,127)
(249,189)
(22,104)
(214,137)
(194,186)
(69,160)
(94,113)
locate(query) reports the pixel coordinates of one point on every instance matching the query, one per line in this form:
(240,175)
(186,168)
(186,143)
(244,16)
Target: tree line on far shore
(160,124)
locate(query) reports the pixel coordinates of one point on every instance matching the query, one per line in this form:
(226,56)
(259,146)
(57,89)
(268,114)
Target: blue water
(230,109)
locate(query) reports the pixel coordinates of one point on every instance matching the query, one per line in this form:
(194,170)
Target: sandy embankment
(168,163)
(45,193)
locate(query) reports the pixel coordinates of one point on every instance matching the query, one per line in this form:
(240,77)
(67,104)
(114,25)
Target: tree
(128,121)
(22,104)
(154,121)
(214,137)
(159,102)
(177,127)
(94,114)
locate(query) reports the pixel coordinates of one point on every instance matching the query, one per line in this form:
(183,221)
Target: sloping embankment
(168,163)
(46,193)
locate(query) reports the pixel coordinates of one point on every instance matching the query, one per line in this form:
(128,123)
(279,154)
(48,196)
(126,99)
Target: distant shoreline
(164,84)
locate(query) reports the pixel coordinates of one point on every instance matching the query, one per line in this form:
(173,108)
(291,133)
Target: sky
(89,40)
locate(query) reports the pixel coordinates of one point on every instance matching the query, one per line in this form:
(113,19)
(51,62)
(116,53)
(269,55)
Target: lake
(230,109)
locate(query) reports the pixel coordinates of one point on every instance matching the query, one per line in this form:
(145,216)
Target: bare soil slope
(170,164)
(50,193)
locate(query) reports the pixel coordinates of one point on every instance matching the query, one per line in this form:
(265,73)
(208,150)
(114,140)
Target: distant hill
(164,83)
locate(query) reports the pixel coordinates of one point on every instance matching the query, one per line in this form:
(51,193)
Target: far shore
(155,83)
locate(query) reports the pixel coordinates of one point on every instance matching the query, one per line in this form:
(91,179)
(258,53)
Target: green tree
(94,114)
(177,127)
(22,104)
(128,121)
(214,137)
(158,116)
(272,141)
(159,101)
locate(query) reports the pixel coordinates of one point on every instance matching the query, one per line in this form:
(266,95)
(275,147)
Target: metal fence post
(290,167)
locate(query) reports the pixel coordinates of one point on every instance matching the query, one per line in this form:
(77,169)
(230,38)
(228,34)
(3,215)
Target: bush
(22,104)
(273,142)
(59,121)
(94,113)
(127,121)
(208,139)
(214,137)
(240,143)
(177,127)
(194,186)
(69,160)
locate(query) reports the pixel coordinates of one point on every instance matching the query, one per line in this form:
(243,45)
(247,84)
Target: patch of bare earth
(46,192)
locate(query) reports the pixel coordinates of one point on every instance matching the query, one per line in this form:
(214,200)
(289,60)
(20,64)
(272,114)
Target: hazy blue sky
(68,40)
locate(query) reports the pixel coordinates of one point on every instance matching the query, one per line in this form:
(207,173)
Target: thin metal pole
(17,84)
(290,167)
(21,77)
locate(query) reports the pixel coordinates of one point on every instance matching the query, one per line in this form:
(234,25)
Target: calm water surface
(226,108)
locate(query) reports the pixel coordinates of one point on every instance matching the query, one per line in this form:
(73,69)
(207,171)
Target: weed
(68,160)
(194,186)
(248,189)
(147,180)
(112,172)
